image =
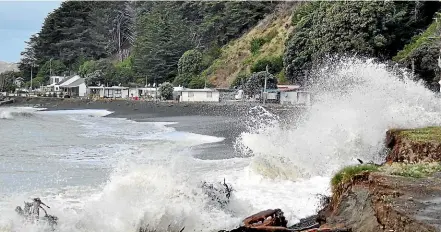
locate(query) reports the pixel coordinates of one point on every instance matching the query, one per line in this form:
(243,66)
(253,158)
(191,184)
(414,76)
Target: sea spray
(355,102)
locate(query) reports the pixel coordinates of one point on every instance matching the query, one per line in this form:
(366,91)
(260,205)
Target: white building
(56,82)
(109,92)
(144,92)
(76,88)
(293,97)
(199,95)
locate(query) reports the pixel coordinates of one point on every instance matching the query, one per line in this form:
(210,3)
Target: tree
(376,29)
(28,59)
(275,65)
(7,81)
(256,83)
(189,67)
(101,72)
(54,68)
(162,37)
(166,91)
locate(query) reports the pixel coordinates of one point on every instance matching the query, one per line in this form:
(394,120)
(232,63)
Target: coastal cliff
(404,194)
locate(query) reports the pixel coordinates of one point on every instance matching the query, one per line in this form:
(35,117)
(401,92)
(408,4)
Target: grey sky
(18,21)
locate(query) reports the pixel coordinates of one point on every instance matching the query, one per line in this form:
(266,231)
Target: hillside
(5,66)
(236,58)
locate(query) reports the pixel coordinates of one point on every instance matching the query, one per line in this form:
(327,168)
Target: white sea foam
(11,112)
(355,102)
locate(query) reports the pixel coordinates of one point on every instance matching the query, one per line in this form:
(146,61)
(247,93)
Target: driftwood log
(273,220)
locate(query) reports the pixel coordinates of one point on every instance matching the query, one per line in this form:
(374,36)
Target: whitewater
(108,174)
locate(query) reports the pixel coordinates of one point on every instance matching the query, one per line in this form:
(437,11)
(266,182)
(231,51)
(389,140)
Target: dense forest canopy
(140,42)
(374,29)
(153,35)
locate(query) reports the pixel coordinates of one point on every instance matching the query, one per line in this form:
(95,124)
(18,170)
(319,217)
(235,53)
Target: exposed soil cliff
(417,145)
(397,196)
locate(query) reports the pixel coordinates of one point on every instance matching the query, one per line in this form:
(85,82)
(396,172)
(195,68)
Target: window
(190,94)
(209,94)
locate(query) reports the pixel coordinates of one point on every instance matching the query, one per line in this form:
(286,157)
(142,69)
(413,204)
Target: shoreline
(227,120)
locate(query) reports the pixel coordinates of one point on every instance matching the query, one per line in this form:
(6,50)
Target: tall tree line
(153,35)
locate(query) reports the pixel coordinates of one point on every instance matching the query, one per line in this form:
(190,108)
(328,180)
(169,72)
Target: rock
(267,218)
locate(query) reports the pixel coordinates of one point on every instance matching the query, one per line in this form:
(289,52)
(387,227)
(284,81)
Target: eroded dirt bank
(403,194)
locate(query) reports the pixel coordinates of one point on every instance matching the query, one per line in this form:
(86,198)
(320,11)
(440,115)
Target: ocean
(111,174)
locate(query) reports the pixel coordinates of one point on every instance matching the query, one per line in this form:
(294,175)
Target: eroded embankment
(404,194)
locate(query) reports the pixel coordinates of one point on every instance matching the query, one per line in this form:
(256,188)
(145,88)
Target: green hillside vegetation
(221,44)
(153,35)
(372,29)
(424,51)
(262,45)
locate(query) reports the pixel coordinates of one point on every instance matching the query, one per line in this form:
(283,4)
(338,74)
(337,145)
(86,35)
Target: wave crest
(355,102)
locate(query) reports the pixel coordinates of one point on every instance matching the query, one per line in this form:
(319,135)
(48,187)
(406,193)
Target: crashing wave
(355,102)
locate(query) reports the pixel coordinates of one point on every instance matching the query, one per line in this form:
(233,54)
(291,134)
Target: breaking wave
(14,112)
(355,102)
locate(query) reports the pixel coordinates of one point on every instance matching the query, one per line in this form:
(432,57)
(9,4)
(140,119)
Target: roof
(75,83)
(104,87)
(199,90)
(64,80)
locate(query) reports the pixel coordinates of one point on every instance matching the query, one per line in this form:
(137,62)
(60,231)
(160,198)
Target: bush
(44,95)
(256,82)
(166,91)
(239,78)
(189,67)
(281,77)
(197,83)
(256,44)
(275,64)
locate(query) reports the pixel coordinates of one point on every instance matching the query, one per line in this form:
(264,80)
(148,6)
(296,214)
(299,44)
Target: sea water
(106,174)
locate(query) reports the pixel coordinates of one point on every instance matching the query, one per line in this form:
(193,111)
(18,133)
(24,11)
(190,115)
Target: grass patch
(347,173)
(418,170)
(427,134)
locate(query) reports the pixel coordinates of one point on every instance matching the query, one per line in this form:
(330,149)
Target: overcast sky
(18,21)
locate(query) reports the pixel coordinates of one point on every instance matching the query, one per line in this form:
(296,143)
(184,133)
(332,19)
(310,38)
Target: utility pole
(413,68)
(118,28)
(50,67)
(156,90)
(264,88)
(32,65)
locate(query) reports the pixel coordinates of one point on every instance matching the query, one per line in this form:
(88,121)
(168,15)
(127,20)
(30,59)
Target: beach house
(109,91)
(75,88)
(199,95)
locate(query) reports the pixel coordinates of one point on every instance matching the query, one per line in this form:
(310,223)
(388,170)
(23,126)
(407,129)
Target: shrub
(189,67)
(197,83)
(240,79)
(166,90)
(275,64)
(256,44)
(256,82)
